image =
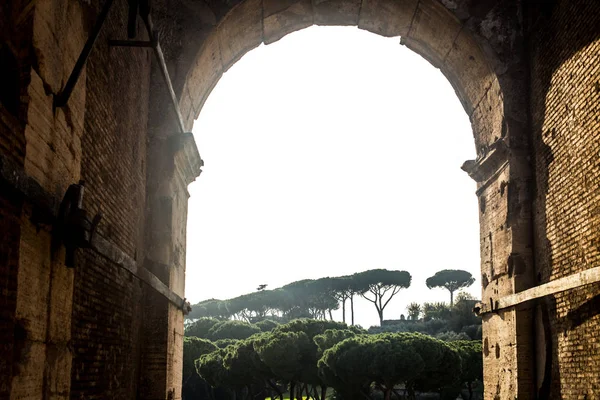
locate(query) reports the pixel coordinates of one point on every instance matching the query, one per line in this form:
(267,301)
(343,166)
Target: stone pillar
(174,163)
(42,355)
(503,181)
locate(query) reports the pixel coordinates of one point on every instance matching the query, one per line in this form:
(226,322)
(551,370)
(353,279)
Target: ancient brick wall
(107,299)
(98,332)
(106,330)
(14,74)
(114,139)
(15,37)
(10,211)
(564,47)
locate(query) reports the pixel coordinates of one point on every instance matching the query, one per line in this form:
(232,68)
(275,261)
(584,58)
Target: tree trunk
(323,392)
(352,309)
(470,390)
(411,392)
(275,388)
(330,315)
(365,395)
(344,311)
(292,387)
(380,312)
(315,393)
(386,393)
(451,298)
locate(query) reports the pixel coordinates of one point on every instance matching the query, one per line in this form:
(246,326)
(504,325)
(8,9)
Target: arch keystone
(283,17)
(387,17)
(487,119)
(336,12)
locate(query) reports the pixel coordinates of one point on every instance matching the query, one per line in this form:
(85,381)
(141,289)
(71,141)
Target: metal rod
(114,254)
(579,279)
(130,43)
(163,68)
(63,97)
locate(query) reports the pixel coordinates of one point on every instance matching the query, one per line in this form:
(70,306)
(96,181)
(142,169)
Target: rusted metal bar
(111,252)
(579,279)
(63,97)
(153,35)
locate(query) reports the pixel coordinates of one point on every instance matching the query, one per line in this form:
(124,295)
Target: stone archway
(489,96)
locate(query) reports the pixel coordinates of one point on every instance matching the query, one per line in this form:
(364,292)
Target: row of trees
(306,357)
(438,319)
(318,298)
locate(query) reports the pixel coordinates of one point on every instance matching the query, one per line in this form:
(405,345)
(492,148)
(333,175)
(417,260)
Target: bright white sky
(330,152)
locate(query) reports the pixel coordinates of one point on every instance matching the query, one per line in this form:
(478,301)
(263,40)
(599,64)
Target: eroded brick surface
(107,299)
(97,332)
(565,99)
(10,211)
(106,330)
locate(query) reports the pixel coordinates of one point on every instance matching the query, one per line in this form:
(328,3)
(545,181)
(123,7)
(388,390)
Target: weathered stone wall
(478,46)
(13,75)
(10,210)
(107,299)
(77,333)
(107,309)
(564,56)
(97,332)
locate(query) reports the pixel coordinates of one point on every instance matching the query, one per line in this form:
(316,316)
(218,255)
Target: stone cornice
(186,156)
(487,164)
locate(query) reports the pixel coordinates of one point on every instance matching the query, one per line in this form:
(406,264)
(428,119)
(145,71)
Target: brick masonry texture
(107,300)
(105,330)
(527,74)
(14,43)
(565,114)
(10,211)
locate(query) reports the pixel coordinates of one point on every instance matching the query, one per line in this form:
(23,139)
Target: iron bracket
(63,97)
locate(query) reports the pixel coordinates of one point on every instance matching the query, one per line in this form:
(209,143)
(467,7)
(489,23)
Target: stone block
(487,118)
(61,301)
(205,72)
(336,12)
(58,38)
(53,149)
(186,106)
(432,32)
(279,21)
(387,17)
(240,31)
(58,372)
(28,382)
(499,355)
(466,68)
(33,278)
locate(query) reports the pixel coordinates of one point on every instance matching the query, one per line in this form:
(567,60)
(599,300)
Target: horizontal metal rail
(117,256)
(587,277)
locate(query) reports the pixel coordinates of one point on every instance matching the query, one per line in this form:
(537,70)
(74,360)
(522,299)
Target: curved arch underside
(425,26)
(491,92)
